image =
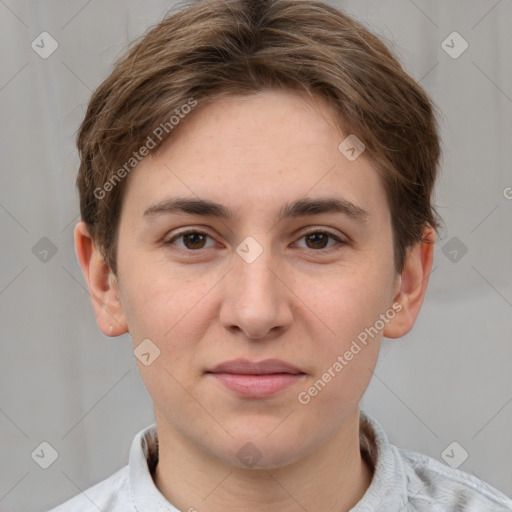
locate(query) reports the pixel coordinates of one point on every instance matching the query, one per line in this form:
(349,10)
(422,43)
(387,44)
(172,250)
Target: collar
(389,482)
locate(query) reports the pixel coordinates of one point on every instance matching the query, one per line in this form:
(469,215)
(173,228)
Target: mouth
(256,379)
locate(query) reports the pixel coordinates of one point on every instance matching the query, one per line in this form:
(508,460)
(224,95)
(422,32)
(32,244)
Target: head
(260,108)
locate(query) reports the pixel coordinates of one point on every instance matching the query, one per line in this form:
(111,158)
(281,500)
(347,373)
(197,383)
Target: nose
(256,299)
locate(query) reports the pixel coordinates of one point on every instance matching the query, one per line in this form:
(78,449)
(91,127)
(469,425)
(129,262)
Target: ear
(102,284)
(411,285)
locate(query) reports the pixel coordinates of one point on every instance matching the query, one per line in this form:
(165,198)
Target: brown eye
(319,239)
(192,240)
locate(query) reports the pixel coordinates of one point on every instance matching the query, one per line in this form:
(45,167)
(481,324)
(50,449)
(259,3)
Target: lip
(256,379)
(246,367)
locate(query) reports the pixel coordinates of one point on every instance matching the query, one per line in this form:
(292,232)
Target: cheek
(351,306)
(346,357)
(153,298)
(350,300)
(173,311)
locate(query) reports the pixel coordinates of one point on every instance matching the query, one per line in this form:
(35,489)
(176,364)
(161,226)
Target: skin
(302,300)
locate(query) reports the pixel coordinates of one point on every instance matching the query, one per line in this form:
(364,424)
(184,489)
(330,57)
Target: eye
(319,239)
(193,239)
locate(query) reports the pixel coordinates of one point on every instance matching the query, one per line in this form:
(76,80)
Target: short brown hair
(213,48)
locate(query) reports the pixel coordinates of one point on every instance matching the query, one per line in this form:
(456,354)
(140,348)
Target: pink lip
(244,366)
(257,386)
(256,379)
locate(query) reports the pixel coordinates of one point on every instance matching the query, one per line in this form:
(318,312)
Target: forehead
(272,118)
(252,152)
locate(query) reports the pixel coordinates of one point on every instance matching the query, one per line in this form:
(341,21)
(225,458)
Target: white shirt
(403,480)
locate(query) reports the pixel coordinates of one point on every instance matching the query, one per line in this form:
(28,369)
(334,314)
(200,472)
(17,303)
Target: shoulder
(109,495)
(436,487)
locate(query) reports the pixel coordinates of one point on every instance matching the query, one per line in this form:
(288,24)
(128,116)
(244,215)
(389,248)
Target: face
(300,287)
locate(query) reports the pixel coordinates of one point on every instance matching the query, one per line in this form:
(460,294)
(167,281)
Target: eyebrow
(299,208)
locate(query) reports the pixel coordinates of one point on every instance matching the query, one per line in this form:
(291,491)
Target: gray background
(63,382)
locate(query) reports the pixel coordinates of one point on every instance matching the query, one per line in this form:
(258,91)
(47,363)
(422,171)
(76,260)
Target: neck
(333,478)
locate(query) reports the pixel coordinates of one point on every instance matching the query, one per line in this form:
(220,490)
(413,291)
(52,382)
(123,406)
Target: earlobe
(101,282)
(412,285)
